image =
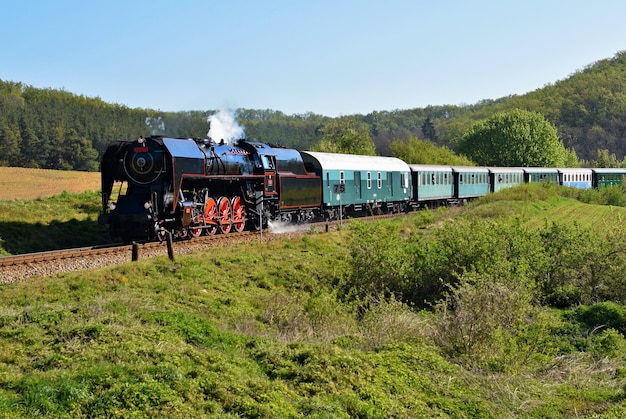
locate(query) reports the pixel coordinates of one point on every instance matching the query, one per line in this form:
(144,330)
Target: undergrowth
(436,314)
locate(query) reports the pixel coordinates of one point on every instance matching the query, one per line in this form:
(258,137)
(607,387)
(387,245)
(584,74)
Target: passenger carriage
(433,185)
(360,183)
(540,175)
(604,177)
(504,177)
(576,178)
(470,182)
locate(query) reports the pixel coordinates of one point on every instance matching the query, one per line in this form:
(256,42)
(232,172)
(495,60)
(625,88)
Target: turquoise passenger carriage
(470,181)
(433,185)
(540,175)
(360,183)
(505,177)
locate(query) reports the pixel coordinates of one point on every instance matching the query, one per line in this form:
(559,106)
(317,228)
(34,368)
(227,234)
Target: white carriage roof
(430,168)
(470,169)
(505,169)
(574,170)
(608,170)
(540,170)
(333,161)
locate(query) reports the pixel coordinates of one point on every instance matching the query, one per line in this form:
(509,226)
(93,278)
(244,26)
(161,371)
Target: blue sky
(330,57)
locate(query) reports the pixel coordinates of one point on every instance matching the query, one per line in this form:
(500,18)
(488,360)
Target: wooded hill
(56,129)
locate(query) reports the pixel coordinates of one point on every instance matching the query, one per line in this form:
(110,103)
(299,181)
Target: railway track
(52,255)
(19,267)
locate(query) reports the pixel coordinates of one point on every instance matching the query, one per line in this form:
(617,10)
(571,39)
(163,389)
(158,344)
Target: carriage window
(369,180)
(328,179)
(379,180)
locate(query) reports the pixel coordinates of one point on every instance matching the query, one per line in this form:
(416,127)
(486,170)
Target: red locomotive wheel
(210,216)
(239,214)
(195,231)
(225,211)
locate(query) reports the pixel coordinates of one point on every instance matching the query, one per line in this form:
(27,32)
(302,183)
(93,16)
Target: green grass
(58,222)
(262,330)
(249,331)
(540,203)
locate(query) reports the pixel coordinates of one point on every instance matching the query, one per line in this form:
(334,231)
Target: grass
(261,330)
(24,183)
(48,209)
(57,222)
(153,338)
(540,203)
(258,330)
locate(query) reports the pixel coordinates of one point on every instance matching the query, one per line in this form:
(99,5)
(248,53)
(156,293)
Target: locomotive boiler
(186,187)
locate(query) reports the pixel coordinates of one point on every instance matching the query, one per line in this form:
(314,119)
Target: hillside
(302,328)
(60,130)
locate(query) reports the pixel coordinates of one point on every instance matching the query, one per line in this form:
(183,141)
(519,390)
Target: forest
(56,129)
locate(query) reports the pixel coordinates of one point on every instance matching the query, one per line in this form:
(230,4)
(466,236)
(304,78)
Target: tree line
(55,129)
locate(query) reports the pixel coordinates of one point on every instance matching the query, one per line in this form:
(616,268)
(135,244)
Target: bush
(603,315)
(490,325)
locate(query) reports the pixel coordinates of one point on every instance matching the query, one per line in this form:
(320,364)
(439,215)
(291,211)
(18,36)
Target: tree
(428,129)
(514,138)
(604,159)
(346,135)
(416,151)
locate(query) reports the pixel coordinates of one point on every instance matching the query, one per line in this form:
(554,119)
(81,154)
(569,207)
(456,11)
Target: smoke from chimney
(223,126)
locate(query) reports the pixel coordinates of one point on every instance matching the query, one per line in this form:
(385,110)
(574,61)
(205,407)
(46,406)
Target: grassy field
(269,330)
(48,209)
(23,183)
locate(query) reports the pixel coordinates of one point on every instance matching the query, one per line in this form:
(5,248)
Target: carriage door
(269,166)
(357,185)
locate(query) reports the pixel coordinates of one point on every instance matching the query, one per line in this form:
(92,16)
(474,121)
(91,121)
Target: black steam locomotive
(188,187)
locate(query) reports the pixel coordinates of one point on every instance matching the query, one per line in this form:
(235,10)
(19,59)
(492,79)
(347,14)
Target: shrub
(603,315)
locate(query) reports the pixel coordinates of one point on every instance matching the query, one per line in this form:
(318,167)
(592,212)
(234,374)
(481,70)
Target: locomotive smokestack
(223,126)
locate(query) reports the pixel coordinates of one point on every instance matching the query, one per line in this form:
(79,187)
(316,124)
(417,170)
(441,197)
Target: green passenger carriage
(605,177)
(540,175)
(432,184)
(470,182)
(505,177)
(360,183)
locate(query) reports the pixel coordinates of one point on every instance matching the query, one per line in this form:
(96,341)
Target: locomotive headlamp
(147,205)
(112,206)
(141,140)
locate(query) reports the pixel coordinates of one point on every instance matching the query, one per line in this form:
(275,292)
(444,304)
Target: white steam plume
(223,126)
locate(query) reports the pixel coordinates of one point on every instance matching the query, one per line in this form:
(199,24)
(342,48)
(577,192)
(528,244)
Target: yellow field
(17,182)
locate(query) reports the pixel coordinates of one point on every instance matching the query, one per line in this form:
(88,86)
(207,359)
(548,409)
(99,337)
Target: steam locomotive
(186,187)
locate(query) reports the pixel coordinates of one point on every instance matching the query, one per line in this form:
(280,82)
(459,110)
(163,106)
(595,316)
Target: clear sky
(330,57)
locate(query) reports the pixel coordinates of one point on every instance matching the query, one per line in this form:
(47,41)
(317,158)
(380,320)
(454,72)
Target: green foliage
(603,159)
(472,325)
(270,330)
(415,151)
(59,222)
(587,109)
(379,262)
(512,139)
(603,315)
(346,135)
